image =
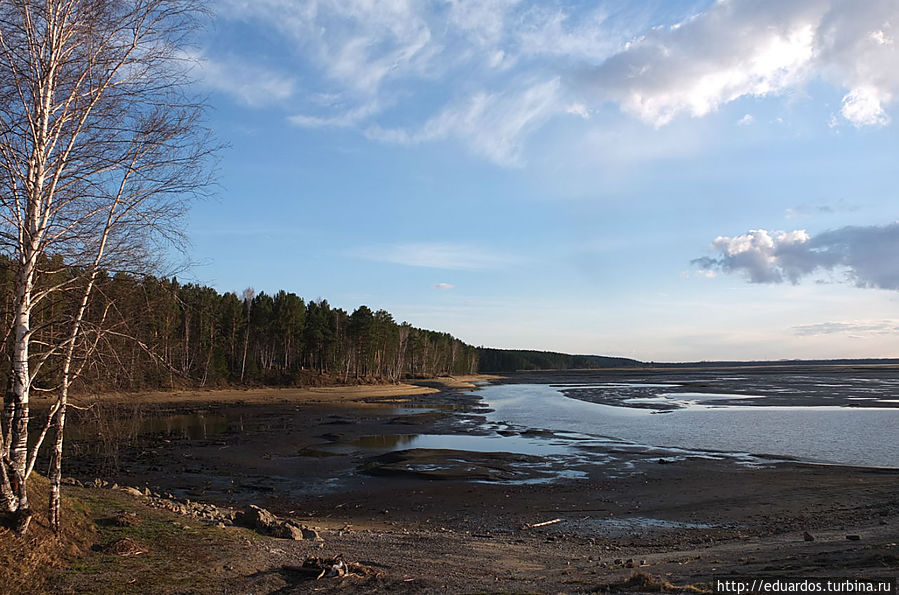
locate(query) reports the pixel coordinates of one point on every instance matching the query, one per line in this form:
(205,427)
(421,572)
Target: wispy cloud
(821,208)
(494,124)
(443,286)
(867,255)
(436,255)
(248,84)
(344,119)
(489,73)
(855,327)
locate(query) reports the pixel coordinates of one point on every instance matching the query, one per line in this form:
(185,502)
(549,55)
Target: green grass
(183,555)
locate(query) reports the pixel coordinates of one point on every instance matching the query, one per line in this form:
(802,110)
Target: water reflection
(845,435)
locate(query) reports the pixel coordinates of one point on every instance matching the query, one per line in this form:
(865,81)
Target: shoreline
(356,393)
(689,521)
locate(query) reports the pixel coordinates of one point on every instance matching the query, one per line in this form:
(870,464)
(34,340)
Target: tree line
(512,360)
(157,333)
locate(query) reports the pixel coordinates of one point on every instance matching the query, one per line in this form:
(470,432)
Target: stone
(133,491)
(808,536)
(310,533)
(259,518)
(287,531)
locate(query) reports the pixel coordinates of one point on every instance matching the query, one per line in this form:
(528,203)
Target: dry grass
(27,562)
(331,395)
(643,582)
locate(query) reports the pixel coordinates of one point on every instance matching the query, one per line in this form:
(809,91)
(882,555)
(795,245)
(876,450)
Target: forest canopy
(160,333)
(512,360)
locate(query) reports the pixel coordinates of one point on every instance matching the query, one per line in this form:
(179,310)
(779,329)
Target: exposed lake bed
(457,469)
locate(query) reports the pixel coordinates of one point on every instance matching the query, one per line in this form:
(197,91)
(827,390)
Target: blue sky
(668,180)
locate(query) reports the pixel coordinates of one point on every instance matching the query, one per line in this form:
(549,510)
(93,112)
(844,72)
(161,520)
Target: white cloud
(740,48)
(356,43)
(495,125)
(246,83)
(854,327)
(865,254)
(344,119)
(443,286)
(412,72)
(436,255)
(578,109)
(864,107)
(483,20)
(745,120)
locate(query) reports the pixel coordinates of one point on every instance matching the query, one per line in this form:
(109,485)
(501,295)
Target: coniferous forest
(149,333)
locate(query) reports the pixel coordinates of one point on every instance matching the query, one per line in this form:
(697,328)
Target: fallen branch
(543,524)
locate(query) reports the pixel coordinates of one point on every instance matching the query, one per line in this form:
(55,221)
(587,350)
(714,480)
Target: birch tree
(100,149)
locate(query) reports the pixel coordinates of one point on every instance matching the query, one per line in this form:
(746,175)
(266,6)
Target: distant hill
(511,360)
(516,360)
(777,363)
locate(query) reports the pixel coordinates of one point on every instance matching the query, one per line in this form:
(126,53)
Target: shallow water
(823,434)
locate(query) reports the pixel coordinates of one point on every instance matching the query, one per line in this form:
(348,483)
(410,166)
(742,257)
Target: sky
(668,180)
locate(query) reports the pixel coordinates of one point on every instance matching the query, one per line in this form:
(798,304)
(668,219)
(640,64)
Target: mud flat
(388,481)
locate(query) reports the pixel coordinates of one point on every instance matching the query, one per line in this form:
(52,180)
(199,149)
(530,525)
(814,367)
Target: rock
(853,537)
(133,491)
(310,533)
(808,536)
(259,518)
(267,523)
(287,531)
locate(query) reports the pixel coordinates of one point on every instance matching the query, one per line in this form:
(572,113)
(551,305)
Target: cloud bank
(867,255)
(488,73)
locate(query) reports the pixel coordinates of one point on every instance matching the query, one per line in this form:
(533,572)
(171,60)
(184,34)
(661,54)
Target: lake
(672,416)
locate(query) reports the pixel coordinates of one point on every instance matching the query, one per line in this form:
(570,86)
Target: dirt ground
(308,456)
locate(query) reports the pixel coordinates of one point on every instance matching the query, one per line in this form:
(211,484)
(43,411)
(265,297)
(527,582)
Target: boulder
(287,531)
(267,523)
(259,519)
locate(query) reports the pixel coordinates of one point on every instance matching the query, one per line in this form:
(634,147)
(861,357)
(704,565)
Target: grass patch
(27,563)
(162,553)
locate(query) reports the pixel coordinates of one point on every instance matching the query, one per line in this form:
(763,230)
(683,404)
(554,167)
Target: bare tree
(100,148)
(247,297)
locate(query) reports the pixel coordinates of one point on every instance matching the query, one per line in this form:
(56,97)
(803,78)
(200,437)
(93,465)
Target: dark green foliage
(511,360)
(158,333)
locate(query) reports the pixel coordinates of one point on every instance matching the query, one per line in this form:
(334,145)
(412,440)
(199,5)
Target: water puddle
(612,385)
(183,426)
(627,526)
(460,442)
